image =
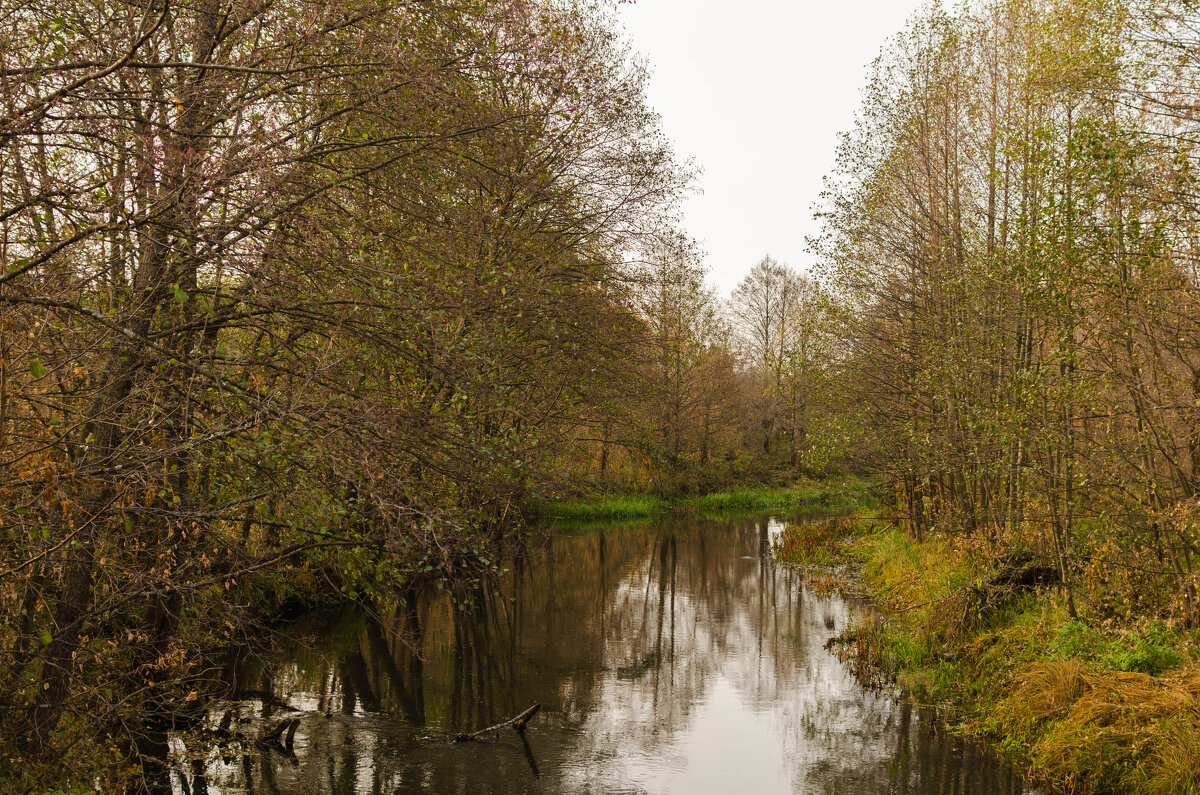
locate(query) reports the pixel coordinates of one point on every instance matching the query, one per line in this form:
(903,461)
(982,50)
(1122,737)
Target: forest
(307,301)
(304,302)
(1010,238)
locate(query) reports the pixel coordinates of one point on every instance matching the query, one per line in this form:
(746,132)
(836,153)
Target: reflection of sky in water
(775,528)
(673,658)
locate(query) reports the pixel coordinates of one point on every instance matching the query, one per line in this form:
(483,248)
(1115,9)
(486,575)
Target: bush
(1076,639)
(1152,653)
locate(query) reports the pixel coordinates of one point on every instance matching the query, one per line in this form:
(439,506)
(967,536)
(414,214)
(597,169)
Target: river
(673,657)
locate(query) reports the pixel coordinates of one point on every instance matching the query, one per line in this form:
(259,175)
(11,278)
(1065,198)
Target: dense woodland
(1011,238)
(305,300)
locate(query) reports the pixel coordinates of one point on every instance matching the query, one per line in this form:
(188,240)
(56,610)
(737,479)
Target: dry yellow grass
(1123,731)
(1172,762)
(1049,688)
(908,576)
(1133,698)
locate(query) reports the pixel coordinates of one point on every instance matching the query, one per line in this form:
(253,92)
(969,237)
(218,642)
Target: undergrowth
(1089,706)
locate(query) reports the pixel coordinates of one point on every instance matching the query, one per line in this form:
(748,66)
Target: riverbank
(847,490)
(1085,705)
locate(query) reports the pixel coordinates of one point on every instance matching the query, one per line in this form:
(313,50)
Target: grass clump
(1049,688)
(1120,732)
(909,576)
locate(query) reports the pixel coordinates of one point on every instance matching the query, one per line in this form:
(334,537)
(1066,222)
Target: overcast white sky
(756,92)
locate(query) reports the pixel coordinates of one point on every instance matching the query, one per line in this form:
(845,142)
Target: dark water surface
(671,658)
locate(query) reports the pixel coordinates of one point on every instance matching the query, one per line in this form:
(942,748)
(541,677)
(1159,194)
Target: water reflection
(673,658)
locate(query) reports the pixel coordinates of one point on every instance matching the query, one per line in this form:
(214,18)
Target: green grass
(846,491)
(605,508)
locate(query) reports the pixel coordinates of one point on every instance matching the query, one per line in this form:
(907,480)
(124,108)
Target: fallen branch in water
(275,738)
(517,723)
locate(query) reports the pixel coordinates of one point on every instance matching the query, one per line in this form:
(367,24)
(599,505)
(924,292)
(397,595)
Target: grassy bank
(848,491)
(1087,705)
(603,507)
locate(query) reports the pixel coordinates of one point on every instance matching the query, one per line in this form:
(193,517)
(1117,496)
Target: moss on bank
(844,491)
(1088,707)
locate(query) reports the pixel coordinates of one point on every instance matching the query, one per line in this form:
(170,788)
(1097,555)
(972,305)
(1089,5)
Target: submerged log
(518,723)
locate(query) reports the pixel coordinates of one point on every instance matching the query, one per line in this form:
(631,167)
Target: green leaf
(46,637)
(180,296)
(37,369)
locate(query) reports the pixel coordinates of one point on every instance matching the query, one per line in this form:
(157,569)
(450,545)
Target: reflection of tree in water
(623,635)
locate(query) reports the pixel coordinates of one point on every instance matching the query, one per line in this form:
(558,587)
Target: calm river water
(669,658)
